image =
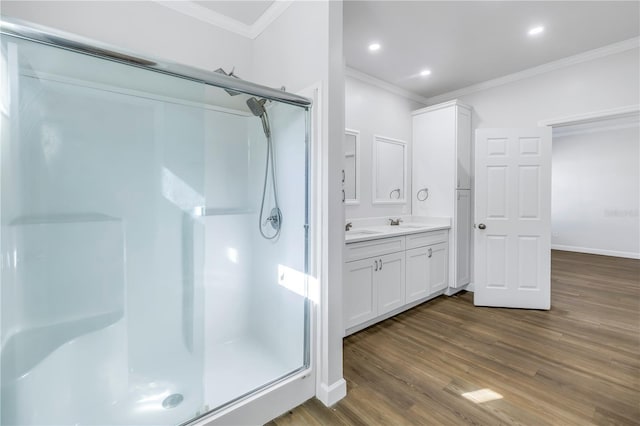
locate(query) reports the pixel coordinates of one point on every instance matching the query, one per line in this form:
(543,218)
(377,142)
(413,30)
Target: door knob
(482,226)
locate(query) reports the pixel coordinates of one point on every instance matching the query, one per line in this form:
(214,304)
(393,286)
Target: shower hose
(275,219)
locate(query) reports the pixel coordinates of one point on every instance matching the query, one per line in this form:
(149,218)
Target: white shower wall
(228,255)
(278,274)
(96,166)
(250,317)
(228,250)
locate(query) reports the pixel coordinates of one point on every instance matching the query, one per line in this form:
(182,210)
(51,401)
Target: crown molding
(441,105)
(272,13)
(633,43)
(369,79)
(201,13)
(619,112)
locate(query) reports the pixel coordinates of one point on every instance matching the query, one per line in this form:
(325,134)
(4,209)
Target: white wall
(600,84)
(374,111)
(145,27)
(604,83)
(596,188)
(303,47)
(292,51)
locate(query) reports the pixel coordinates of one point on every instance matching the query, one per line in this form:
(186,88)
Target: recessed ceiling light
(374,46)
(425,73)
(536,30)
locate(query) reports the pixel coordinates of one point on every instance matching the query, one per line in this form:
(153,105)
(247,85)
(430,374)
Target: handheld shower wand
(275,216)
(257,108)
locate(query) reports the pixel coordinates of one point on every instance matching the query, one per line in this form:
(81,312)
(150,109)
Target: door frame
(584,118)
(570,120)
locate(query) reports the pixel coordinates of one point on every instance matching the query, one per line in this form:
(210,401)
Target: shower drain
(172,400)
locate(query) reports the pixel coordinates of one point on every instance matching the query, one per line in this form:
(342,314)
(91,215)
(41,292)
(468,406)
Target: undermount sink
(412,225)
(361,232)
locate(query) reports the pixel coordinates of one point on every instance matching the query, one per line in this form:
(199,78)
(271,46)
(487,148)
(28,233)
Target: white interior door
(513,218)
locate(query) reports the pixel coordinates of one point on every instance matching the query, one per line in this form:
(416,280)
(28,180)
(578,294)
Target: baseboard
(450,291)
(627,254)
(390,314)
(329,395)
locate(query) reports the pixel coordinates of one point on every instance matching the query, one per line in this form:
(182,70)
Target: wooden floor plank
(577,364)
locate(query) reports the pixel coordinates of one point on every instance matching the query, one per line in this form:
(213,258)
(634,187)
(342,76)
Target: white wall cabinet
(463,147)
(463,238)
(442,170)
(391,279)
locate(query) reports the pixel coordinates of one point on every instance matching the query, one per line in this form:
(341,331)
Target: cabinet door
(360,299)
(463,148)
(433,157)
(390,282)
(417,274)
(438,266)
(463,239)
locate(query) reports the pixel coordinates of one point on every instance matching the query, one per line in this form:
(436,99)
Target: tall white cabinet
(441,178)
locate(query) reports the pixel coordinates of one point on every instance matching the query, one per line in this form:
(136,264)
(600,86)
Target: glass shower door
(136,284)
(102,245)
(256,308)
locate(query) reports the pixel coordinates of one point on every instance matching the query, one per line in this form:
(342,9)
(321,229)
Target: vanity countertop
(374,231)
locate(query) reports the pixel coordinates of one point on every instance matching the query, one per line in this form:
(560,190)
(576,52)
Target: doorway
(596,186)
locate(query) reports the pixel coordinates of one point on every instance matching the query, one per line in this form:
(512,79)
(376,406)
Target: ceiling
(464,43)
(244,11)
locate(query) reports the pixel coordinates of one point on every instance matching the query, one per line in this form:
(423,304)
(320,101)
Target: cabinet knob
(376,262)
(482,226)
(430,252)
(381,264)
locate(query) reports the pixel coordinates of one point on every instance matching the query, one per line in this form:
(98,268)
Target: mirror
(351,179)
(389,170)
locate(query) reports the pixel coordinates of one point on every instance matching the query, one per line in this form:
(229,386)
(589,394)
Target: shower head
(257,108)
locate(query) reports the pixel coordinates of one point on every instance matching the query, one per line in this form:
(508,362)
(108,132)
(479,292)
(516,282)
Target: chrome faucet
(395,222)
(348,226)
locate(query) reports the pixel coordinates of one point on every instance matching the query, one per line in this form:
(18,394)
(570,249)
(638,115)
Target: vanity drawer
(426,238)
(371,248)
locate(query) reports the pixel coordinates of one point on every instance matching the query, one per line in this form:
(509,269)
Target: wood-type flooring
(577,364)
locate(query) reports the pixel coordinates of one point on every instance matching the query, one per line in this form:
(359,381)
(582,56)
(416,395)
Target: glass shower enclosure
(136,286)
